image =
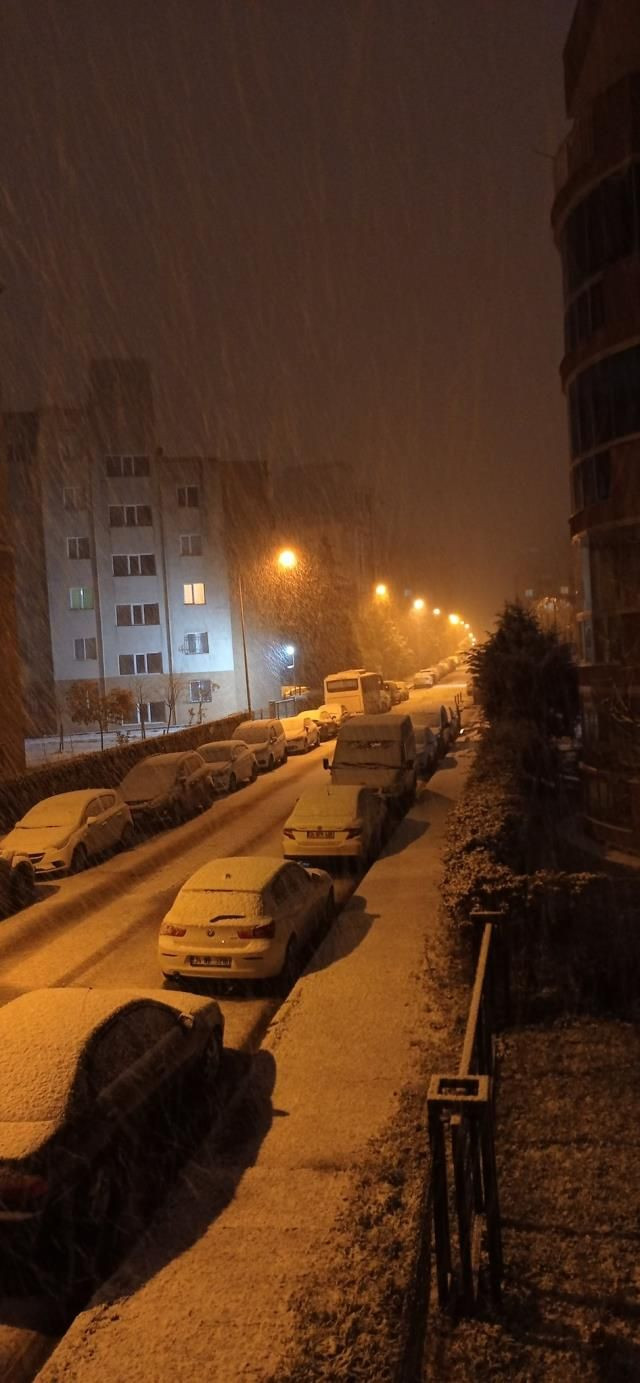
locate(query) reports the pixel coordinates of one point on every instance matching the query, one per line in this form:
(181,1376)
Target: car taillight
(264,931)
(21,1191)
(291,835)
(170,929)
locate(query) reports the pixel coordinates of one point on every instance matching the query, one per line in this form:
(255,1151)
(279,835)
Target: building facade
(596,224)
(127,565)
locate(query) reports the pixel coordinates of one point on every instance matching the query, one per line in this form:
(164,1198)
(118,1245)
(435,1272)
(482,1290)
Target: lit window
(81,598)
(194,593)
(188,497)
(78,548)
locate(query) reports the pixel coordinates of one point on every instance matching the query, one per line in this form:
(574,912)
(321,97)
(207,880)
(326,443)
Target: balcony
(600,140)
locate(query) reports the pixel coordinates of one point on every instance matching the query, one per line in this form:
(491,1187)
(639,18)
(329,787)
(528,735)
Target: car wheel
(127,839)
(289,973)
(95,1228)
(79,859)
(22,886)
(232,782)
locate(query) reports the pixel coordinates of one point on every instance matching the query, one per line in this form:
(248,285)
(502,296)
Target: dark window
(200,690)
(154,662)
(143,515)
(85,650)
(190,545)
(129,516)
(116,516)
(158,710)
(151,614)
(196,643)
(147,564)
(74,497)
(603,228)
(604,401)
(188,496)
(135,564)
(78,548)
(123,614)
(141,662)
(126,664)
(120,565)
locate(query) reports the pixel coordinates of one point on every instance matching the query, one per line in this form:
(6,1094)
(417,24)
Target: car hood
(26,841)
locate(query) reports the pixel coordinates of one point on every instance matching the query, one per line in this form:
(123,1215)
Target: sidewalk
(288,1251)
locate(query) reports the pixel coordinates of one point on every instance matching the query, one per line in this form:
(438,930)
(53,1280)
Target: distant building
(123,558)
(596,223)
(12,730)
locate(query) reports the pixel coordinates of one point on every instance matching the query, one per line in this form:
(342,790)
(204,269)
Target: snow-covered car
(95,1089)
(66,832)
(393,691)
(301,733)
(438,722)
(244,918)
(167,787)
(232,763)
(328,718)
(266,739)
(424,678)
(331,822)
(427,749)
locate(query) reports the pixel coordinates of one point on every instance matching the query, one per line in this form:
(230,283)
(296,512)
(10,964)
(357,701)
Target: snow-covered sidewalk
(288,1249)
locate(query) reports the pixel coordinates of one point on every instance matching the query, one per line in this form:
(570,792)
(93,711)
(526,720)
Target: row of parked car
(430,676)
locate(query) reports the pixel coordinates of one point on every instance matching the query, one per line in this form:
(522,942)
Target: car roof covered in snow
(335,802)
(42,1037)
(66,801)
(387,726)
(246,873)
(219,744)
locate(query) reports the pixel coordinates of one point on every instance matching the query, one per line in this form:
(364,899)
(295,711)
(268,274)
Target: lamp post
(287,560)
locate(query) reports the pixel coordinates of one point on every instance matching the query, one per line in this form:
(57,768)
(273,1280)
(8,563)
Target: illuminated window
(81,598)
(194,593)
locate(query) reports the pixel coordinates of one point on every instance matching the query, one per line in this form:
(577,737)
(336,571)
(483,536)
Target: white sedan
(335,822)
(301,733)
(66,832)
(328,718)
(232,763)
(244,918)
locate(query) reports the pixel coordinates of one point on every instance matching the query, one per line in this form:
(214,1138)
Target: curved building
(596,225)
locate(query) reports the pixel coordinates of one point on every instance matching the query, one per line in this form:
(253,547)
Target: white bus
(356,690)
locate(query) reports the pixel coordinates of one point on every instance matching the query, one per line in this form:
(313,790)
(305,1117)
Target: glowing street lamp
(418,603)
(382,590)
(287,559)
(454,619)
(437,610)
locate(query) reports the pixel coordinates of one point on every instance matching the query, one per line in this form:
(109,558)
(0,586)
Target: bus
(357,690)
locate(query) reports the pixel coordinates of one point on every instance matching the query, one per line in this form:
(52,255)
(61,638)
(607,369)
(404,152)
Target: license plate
(217,962)
(320,835)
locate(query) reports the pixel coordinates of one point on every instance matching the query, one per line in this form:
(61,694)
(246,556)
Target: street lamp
(382,590)
(287,561)
(418,603)
(437,610)
(454,619)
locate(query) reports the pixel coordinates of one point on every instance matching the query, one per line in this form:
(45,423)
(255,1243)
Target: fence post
(437,1124)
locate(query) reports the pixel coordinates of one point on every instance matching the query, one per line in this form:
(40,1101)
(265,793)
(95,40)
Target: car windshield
(215,754)
(53,813)
(150,777)
(253,734)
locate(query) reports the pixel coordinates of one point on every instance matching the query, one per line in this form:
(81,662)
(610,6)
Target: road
(113,943)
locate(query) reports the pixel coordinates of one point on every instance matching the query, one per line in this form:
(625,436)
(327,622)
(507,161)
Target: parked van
(377,752)
(265,739)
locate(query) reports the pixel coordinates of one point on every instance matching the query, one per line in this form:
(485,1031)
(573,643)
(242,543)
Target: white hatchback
(301,734)
(244,918)
(65,832)
(335,822)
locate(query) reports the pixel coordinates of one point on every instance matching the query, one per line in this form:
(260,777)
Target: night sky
(326,225)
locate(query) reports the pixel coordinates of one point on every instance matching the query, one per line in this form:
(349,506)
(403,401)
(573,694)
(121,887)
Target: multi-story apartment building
(128,563)
(596,223)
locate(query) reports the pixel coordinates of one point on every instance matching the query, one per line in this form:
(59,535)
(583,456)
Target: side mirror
(325,763)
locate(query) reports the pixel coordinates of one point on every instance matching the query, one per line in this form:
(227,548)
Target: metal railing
(461,1136)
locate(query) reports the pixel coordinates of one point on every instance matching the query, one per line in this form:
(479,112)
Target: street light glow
(437,610)
(454,619)
(381,590)
(418,604)
(289,649)
(287,559)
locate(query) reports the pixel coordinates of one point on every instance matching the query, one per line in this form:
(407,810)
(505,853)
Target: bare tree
(88,705)
(172,691)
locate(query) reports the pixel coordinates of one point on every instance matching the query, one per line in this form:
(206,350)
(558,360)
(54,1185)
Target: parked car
(17,882)
(424,678)
(231,762)
(266,739)
(455,721)
(385,698)
(328,718)
(438,722)
(244,918)
(95,1088)
(167,787)
(403,691)
(377,752)
(70,830)
(427,749)
(301,733)
(393,691)
(331,822)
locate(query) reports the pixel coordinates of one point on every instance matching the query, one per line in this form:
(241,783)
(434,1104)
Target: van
(378,752)
(266,740)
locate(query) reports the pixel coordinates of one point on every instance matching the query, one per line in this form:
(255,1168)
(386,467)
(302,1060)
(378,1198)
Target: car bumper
(261,962)
(322,849)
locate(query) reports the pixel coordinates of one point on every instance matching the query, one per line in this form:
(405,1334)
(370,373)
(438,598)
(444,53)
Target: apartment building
(129,557)
(596,224)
